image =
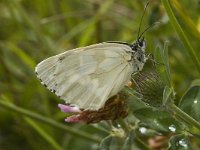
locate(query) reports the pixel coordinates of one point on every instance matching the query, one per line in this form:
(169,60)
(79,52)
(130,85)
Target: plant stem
(184,115)
(124,125)
(43,134)
(49,121)
(181,34)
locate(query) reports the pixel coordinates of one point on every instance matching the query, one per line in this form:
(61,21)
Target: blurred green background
(32,30)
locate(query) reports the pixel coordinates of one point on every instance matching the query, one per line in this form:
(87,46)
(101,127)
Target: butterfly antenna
(149,27)
(145,8)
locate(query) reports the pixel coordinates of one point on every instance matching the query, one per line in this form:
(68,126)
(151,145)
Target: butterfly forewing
(87,76)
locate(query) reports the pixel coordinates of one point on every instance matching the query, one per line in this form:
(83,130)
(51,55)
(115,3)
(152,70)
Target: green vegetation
(31,31)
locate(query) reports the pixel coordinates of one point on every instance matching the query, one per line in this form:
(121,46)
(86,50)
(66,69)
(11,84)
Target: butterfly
(88,76)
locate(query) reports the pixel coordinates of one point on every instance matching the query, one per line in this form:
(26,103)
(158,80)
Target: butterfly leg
(151,58)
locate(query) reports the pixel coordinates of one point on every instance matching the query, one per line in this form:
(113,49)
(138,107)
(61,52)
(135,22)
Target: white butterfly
(90,75)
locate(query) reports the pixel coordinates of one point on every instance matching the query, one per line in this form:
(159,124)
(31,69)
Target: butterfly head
(139,45)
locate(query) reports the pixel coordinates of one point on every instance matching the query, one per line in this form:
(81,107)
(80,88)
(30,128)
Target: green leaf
(180,32)
(190,102)
(195,83)
(161,55)
(165,58)
(109,143)
(158,120)
(136,104)
(133,100)
(167,95)
(129,141)
(179,142)
(143,130)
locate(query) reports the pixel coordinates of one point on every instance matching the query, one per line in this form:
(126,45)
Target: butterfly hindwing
(87,76)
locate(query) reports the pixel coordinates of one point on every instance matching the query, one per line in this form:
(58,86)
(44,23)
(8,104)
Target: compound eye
(140,43)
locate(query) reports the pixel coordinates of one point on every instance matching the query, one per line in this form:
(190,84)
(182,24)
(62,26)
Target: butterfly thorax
(138,57)
(138,54)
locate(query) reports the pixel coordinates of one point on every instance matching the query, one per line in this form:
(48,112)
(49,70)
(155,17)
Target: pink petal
(68,109)
(73,119)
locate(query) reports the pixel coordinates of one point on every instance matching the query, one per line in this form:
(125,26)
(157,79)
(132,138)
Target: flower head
(115,107)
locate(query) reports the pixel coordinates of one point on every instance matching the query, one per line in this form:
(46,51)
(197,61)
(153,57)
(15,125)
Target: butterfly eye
(140,43)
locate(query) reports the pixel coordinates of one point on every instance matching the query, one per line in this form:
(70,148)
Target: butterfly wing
(87,76)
